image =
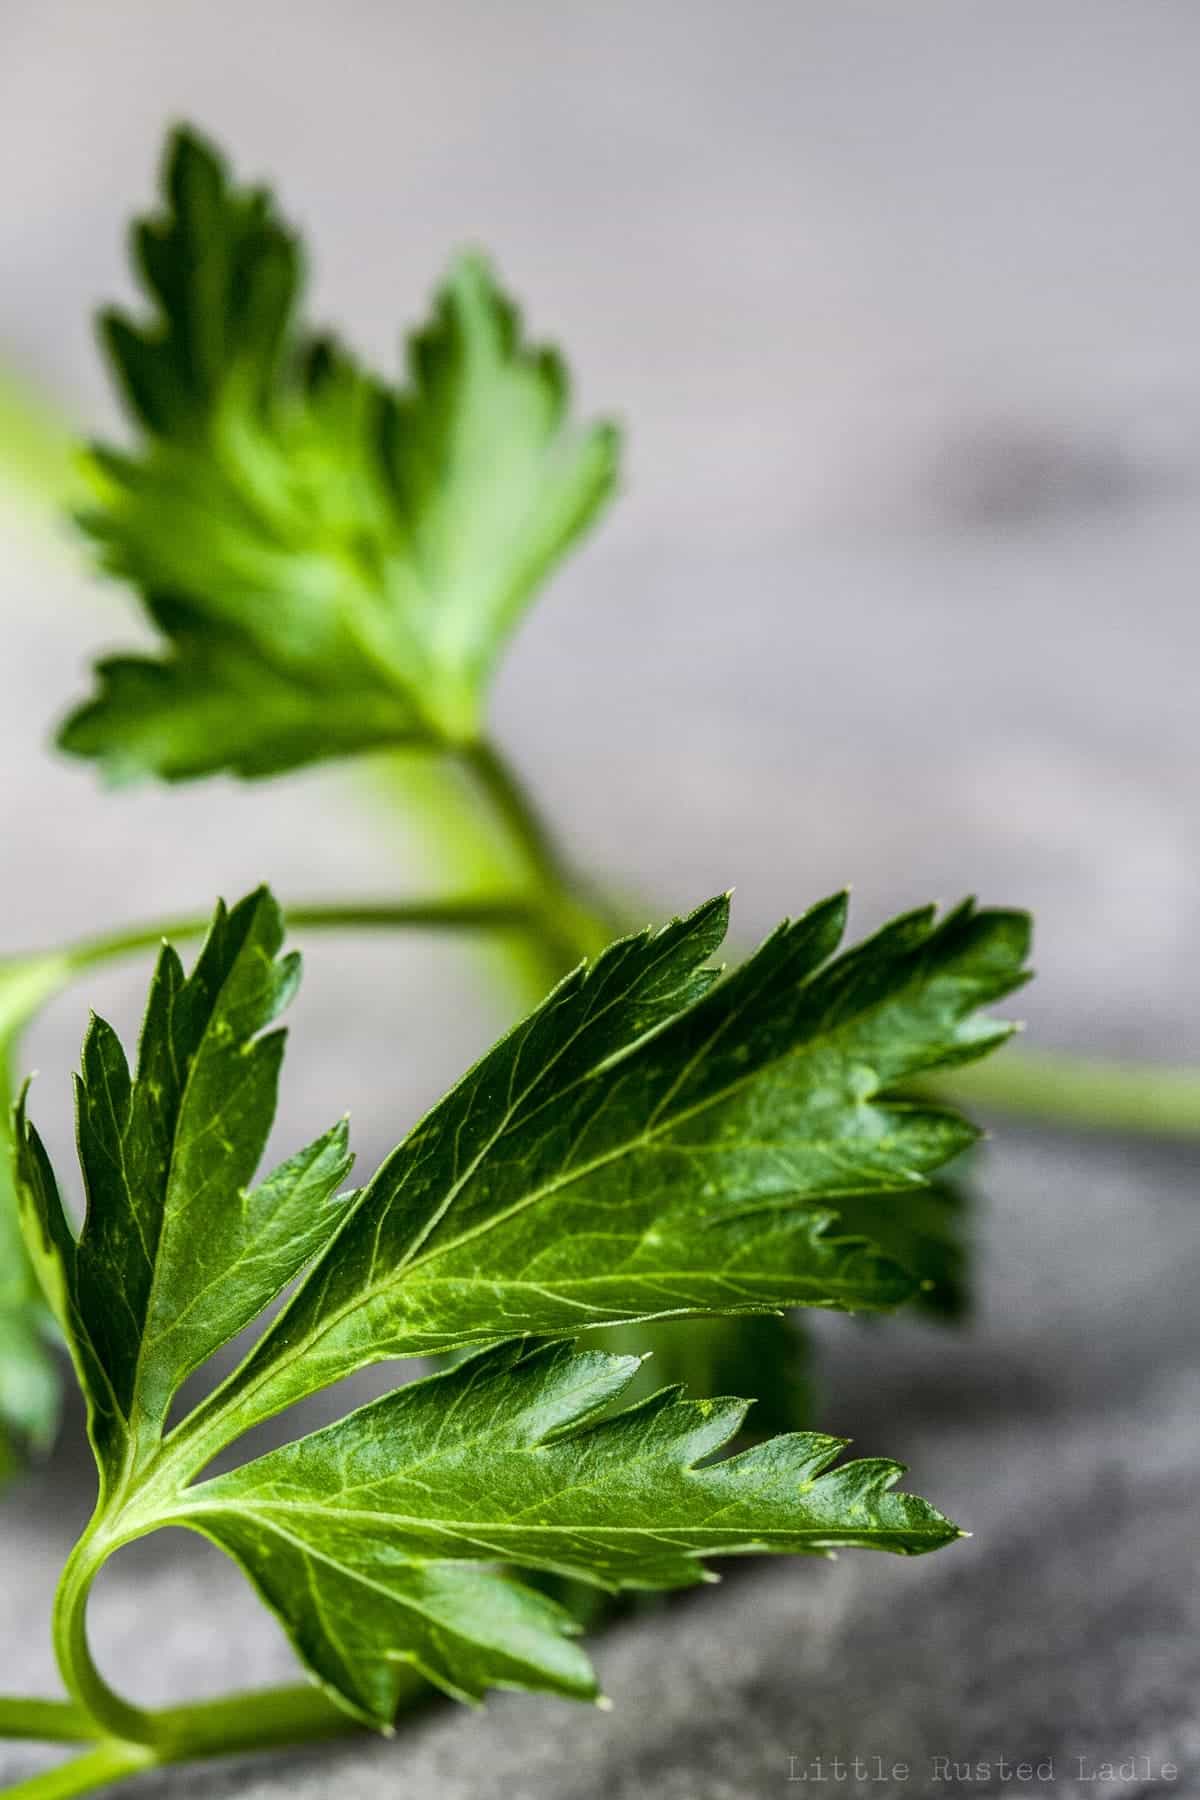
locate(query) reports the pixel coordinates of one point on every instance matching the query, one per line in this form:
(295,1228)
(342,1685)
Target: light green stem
(270,1719)
(109,1761)
(574,923)
(249,1721)
(114,1717)
(520,817)
(127,1739)
(451,837)
(1054,1088)
(471,914)
(45,1721)
(37,453)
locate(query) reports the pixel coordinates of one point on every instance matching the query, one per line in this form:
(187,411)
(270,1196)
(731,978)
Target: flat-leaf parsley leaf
(334,563)
(653,1140)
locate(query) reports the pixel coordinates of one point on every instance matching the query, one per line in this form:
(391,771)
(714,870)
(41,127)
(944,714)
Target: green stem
(38,457)
(450,834)
(46,1721)
(1058,1089)
(482,914)
(113,1716)
(270,1719)
(517,811)
(236,1724)
(574,924)
(129,1737)
(108,1762)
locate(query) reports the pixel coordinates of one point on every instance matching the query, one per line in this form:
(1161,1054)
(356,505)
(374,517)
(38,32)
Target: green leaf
(333,563)
(29,1379)
(653,1141)
(766,1357)
(646,1144)
(366,1539)
(178,1252)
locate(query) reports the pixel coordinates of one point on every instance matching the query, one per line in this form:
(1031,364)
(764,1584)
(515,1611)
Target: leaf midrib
(465,1527)
(365,1295)
(180,1112)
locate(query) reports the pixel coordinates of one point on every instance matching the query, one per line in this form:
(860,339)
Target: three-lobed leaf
(653,1140)
(333,563)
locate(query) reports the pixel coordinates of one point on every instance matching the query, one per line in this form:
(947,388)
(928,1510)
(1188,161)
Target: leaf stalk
(1051,1087)
(46,1721)
(269,1719)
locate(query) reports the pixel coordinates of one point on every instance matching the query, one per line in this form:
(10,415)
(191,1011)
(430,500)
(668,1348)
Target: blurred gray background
(900,306)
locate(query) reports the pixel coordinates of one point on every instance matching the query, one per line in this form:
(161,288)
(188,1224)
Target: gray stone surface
(900,304)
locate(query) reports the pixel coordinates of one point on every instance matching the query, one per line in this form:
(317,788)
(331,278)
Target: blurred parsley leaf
(334,563)
(764,1354)
(927,1232)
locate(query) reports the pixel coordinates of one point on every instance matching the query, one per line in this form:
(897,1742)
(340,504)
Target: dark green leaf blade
(498,1460)
(586,1173)
(178,1252)
(53,1255)
(333,563)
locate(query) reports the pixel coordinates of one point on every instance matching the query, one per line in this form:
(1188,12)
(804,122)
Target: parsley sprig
(655,1139)
(333,562)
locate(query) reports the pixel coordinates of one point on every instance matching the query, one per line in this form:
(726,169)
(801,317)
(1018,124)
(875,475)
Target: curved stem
(113,1716)
(1058,1089)
(129,1737)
